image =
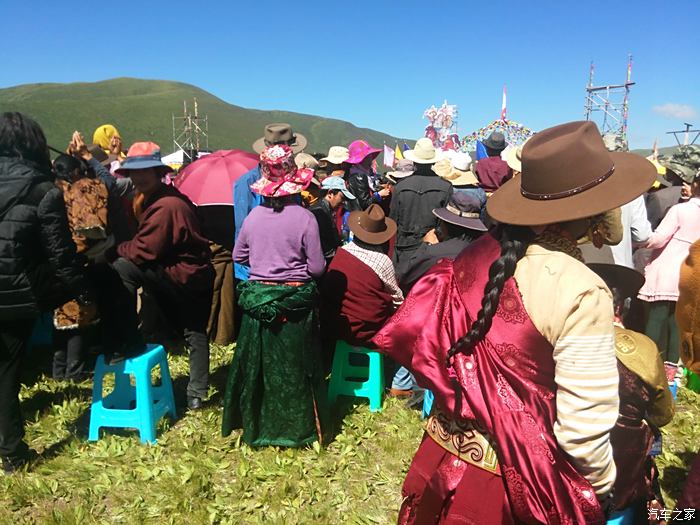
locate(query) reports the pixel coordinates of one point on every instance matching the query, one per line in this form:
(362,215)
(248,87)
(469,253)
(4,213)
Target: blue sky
(378,63)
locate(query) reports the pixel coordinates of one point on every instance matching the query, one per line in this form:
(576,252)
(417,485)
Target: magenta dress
(498,400)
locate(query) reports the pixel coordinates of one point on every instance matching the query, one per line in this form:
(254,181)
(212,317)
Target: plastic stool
(622,517)
(427,403)
(151,402)
(357,381)
(693,380)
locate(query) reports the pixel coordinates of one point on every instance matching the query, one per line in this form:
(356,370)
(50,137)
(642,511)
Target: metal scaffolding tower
(687,134)
(608,105)
(190,133)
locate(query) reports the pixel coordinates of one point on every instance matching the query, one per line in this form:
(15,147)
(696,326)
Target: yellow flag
(397,153)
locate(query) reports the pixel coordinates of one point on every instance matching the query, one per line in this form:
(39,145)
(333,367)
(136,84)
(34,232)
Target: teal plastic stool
(151,402)
(427,403)
(693,380)
(357,381)
(622,517)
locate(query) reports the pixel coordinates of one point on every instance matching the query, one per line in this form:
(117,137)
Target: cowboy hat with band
(279,175)
(372,226)
(568,174)
(280,133)
(464,210)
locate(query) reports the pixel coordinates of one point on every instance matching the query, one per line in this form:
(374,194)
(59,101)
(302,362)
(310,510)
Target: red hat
(143,155)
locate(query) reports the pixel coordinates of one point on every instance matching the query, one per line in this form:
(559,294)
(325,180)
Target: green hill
(143,109)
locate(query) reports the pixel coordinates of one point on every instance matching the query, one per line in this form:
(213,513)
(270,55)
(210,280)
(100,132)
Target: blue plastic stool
(151,402)
(622,517)
(427,403)
(357,381)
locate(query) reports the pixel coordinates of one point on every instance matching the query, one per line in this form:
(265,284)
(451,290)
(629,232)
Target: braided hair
(514,242)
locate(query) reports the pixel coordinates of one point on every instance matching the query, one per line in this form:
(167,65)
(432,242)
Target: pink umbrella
(209,180)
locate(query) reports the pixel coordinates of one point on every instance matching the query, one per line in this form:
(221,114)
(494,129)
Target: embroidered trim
(464,440)
(559,243)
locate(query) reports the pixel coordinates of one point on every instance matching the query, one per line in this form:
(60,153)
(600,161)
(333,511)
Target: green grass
(193,475)
(143,109)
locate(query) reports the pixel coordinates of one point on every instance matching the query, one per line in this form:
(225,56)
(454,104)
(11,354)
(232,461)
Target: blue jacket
(244,201)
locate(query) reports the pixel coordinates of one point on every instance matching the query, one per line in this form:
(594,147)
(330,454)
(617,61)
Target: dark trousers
(186,311)
(69,354)
(14,336)
(663,330)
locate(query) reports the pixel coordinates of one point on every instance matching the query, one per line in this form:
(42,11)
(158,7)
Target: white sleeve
(639,226)
(587,388)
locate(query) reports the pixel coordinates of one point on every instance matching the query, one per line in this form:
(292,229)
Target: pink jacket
(671,242)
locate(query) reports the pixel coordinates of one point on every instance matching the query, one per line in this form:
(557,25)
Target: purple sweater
(281,246)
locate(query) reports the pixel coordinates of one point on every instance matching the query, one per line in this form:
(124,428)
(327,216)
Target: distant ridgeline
(143,109)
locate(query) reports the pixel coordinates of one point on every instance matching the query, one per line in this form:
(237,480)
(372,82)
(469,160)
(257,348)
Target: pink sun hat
(279,175)
(359,150)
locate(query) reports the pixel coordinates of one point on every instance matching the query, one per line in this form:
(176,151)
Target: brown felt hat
(372,226)
(280,134)
(568,174)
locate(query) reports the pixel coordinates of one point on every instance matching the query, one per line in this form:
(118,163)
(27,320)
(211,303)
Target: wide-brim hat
(424,152)
(462,210)
(359,150)
(628,280)
(445,170)
(372,225)
(514,157)
(495,141)
(279,175)
(337,155)
(567,174)
(403,169)
(280,133)
(141,156)
(291,185)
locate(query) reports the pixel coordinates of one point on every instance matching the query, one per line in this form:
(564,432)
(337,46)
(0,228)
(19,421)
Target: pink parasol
(209,180)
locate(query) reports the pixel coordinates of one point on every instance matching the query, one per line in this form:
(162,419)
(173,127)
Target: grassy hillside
(667,151)
(143,109)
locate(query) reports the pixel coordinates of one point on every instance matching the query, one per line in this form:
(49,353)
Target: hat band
(465,214)
(140,158)
(567,193)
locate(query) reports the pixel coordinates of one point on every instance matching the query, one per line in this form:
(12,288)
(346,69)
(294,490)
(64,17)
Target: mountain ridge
(142,109)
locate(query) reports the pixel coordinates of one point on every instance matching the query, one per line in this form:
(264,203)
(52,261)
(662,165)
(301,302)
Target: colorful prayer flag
(388,157)
(503,105)
(480,150)
(405,147)
(397,153)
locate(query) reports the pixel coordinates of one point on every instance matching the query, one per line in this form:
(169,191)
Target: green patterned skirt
(276,375)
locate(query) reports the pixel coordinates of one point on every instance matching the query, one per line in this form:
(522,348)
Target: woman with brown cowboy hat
(272,388)
(515,339)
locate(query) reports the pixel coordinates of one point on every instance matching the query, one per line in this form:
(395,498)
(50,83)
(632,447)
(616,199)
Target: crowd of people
(532,292)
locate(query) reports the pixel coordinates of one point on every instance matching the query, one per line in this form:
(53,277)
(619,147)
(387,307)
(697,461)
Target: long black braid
(514,242)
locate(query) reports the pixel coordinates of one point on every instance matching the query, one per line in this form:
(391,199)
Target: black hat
(627,280)
(496,141)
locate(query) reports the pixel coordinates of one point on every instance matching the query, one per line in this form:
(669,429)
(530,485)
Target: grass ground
(193,475)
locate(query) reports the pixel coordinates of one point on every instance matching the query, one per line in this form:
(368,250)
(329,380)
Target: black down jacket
(38,263)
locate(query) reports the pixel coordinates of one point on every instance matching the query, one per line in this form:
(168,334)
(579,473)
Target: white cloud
(678,111)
